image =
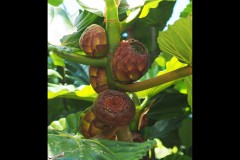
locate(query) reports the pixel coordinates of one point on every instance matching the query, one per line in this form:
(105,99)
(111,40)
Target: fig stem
(152,82)
(113,36)
(98,62)
(112,25)
(124,134)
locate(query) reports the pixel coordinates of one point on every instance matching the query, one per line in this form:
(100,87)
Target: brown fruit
(114,108)
(93,41)
(130,61)
(89,126)
(98,78)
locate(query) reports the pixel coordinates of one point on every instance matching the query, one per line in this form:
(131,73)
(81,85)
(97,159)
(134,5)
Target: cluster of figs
(129,62)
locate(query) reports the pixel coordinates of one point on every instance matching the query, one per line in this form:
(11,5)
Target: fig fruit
(93,41)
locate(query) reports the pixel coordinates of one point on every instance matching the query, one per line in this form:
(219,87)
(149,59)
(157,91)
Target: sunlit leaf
(173,64)
(84,92)
(55,90)
(94,6)
(188,81)
(177,40)
(161,151)
(59,24)
(55,2)
(83,20)
(57,61)
(187,11)
(181,86)
(147,7)
(52,72)
(154,22)
(63,136)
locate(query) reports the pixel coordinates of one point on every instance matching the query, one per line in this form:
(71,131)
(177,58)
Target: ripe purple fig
(98,78)
(93,41)
(114,108)
(130,61)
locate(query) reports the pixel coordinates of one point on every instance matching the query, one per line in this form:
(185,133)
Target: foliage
(167,106)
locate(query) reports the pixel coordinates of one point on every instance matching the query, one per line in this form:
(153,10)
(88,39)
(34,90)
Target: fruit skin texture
(130,61)
(98,78)
(89,126)
(114,108)
(93,41)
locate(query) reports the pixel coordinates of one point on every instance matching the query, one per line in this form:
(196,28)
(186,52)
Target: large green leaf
(163,127)
(188,81)
(76,74)
(61,107)
(57,61)
(93,6)
(59,24)
(177,40)
(167,105)
(52,72)
(154,22)
(83,20)
(83,92)
(63,136)
(187,11)
(55,2)
(185,132)
(171,65)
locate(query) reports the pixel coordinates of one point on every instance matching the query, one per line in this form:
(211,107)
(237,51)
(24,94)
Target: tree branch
(161,79)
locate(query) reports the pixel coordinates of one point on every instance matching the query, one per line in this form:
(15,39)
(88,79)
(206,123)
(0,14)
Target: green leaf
(147,7)
(66,49)
(83,92)
(52,72)
(154,22)
(68,125)
(185,132)
(59,24)
(173,64)
(188,81)
(55,2)
(167,105)
(76,74)
(63,136)
(93,6)
(181,86)
(61,107)
(161,151)
(187,11)
(177,40)
(176,157)
(163,127)
(83,20)
(57,61)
